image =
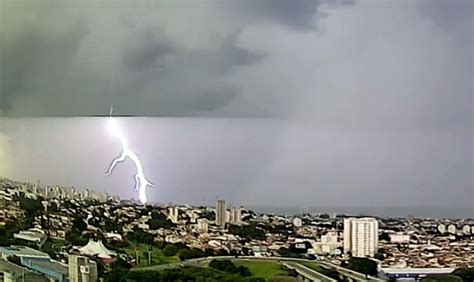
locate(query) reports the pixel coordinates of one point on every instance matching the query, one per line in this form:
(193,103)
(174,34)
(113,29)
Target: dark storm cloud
(50,68)
(35,61)
(146,51)
(298,16)
(189,81)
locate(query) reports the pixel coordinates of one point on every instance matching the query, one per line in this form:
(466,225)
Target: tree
(466,274)
(48,247)
(249,232)
(141,236)
(32,208)
(79,224)
(53,207)
(117,275)
(170,250)
(384,237)
(324,215)
(210,215)
(75,238)
(380,255)
(157,215)
(224,265)
(160,223)
(285,252)
(221,252)
(185,254)
(363,265)
(109,225)
(443,278)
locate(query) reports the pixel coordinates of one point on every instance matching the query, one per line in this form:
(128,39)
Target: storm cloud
(328,61)
(322,98)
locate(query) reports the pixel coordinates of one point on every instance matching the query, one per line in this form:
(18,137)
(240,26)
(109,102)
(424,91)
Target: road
(308,272)
(348,273)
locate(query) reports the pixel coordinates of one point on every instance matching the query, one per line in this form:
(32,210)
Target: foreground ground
(264,269)
(157,256)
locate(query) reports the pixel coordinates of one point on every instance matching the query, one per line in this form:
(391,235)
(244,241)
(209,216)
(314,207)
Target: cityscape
(236,140)
(60,234)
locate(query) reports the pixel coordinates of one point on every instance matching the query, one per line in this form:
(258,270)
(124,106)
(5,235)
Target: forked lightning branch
(141,182)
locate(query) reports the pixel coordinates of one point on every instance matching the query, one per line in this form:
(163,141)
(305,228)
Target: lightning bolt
(141,182)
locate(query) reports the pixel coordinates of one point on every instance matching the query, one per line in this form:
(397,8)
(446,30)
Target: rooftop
(418,270)
(53,266)
(22,251)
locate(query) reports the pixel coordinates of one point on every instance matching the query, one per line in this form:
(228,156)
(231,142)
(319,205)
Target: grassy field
(157,256)
(264,269)
(328,272)
(312,265)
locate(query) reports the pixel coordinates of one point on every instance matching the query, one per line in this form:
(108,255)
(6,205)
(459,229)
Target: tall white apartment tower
(236,215)
(361,236)
(173,214)
(221,213)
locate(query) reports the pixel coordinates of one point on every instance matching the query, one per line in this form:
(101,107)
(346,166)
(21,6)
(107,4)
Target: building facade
(360,236)
(221,213)
(202,225)
(82,269)
(173,214)
(236,215)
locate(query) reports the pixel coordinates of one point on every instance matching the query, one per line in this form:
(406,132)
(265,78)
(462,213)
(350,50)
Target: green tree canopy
(363,265)
(170,250)
(466,273)
(156,223)
(249,232)
(444,278)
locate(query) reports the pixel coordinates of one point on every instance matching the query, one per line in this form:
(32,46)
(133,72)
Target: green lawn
(157,256)
(312,265)
(264,269)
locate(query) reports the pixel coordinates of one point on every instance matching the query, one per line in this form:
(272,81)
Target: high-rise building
(202,225)
(442,228)
(85,194)
(329,243)
(297,222)
(236,215)
(221,213)
(452,229)
(82,269)
(227,215)
(360,236)
(173,214)
(330,237)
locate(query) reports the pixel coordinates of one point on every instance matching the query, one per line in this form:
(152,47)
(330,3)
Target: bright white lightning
(141,182)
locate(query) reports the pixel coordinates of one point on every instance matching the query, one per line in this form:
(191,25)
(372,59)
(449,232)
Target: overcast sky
(259,102)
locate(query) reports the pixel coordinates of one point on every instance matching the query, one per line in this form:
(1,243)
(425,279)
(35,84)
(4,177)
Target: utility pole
(150,248)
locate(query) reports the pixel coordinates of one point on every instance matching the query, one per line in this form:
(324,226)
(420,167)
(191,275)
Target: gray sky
(282,102)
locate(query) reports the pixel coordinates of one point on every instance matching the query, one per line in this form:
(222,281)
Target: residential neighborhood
(51,231)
